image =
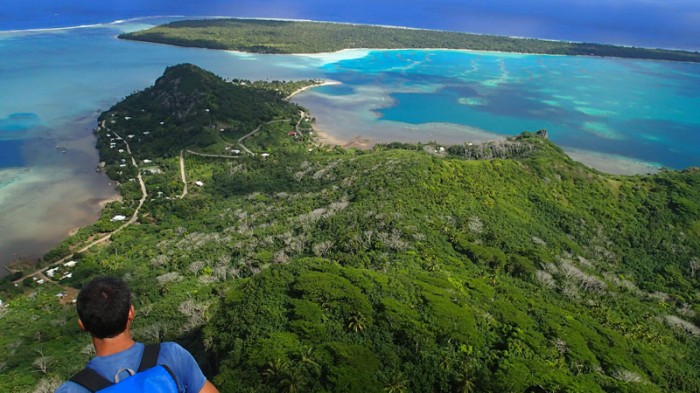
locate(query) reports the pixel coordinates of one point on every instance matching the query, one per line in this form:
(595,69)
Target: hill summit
(189,107)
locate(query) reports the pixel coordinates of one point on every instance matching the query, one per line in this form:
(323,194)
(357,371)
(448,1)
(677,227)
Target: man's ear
(80,325)
(132,313)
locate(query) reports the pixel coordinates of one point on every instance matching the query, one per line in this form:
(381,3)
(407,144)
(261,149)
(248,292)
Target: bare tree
(153,332)
(321,249)
(195,311)
(88,350)
(47,385)
(42,362)
(196,267)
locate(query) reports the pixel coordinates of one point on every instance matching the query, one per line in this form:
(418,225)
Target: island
(275,36)
(287,265)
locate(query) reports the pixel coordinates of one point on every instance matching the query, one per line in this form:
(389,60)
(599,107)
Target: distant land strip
(289,37)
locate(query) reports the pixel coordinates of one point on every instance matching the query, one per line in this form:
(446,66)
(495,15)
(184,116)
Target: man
(105,311)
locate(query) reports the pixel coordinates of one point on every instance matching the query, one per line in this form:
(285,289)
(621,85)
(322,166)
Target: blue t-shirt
(190,378)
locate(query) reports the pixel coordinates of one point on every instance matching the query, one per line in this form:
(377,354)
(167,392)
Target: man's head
(104,307)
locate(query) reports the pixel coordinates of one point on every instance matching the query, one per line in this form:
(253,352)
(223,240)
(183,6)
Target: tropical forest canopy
(502,267)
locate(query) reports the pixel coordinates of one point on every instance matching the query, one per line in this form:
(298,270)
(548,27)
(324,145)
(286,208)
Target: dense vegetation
(191,108)
(499,268)
(267,36)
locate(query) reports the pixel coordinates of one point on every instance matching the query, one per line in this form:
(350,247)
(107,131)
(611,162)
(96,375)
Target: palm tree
(464,384)
(289,383)
(274,371)
(356,323)
(306,357)
(396,383)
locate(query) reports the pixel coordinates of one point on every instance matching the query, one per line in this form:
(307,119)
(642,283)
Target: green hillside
(405,268)
(274,36)
(193,108)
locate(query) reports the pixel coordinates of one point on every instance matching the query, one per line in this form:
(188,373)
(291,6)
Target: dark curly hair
(103,306)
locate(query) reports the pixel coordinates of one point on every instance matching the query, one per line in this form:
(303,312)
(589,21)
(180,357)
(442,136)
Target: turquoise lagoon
(643,111)
(54,82)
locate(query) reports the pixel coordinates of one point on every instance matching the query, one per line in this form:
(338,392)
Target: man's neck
(110,346)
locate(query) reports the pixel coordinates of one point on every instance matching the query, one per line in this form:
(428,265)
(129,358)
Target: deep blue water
(11,154)
(671,23)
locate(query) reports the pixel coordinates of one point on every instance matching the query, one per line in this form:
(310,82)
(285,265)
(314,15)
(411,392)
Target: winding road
(183,175)
(144,195)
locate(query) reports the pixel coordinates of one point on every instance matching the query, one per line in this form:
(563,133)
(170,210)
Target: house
(70,264)
(292,133)
(265,155)
(147,161)
(236,151)
(199,183)
(118,217)
(51,272)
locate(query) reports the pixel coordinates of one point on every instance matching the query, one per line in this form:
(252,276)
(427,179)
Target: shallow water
(639,110)
(55,82)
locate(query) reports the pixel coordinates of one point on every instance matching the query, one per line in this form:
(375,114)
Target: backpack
(149,377)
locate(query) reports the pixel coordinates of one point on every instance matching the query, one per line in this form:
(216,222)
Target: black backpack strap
(150,357)
(91,380)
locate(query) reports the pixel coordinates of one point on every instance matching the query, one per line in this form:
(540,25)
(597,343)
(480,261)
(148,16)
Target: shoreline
(474,51)
(608,164)
(60,193)
(305,88)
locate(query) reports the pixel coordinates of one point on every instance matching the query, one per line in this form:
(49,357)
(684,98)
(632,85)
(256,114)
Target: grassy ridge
(264,36)
(402,268)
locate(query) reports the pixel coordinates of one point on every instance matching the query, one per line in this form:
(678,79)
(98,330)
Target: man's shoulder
(182,363)
(188,374)
(171,346)
(169,350)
